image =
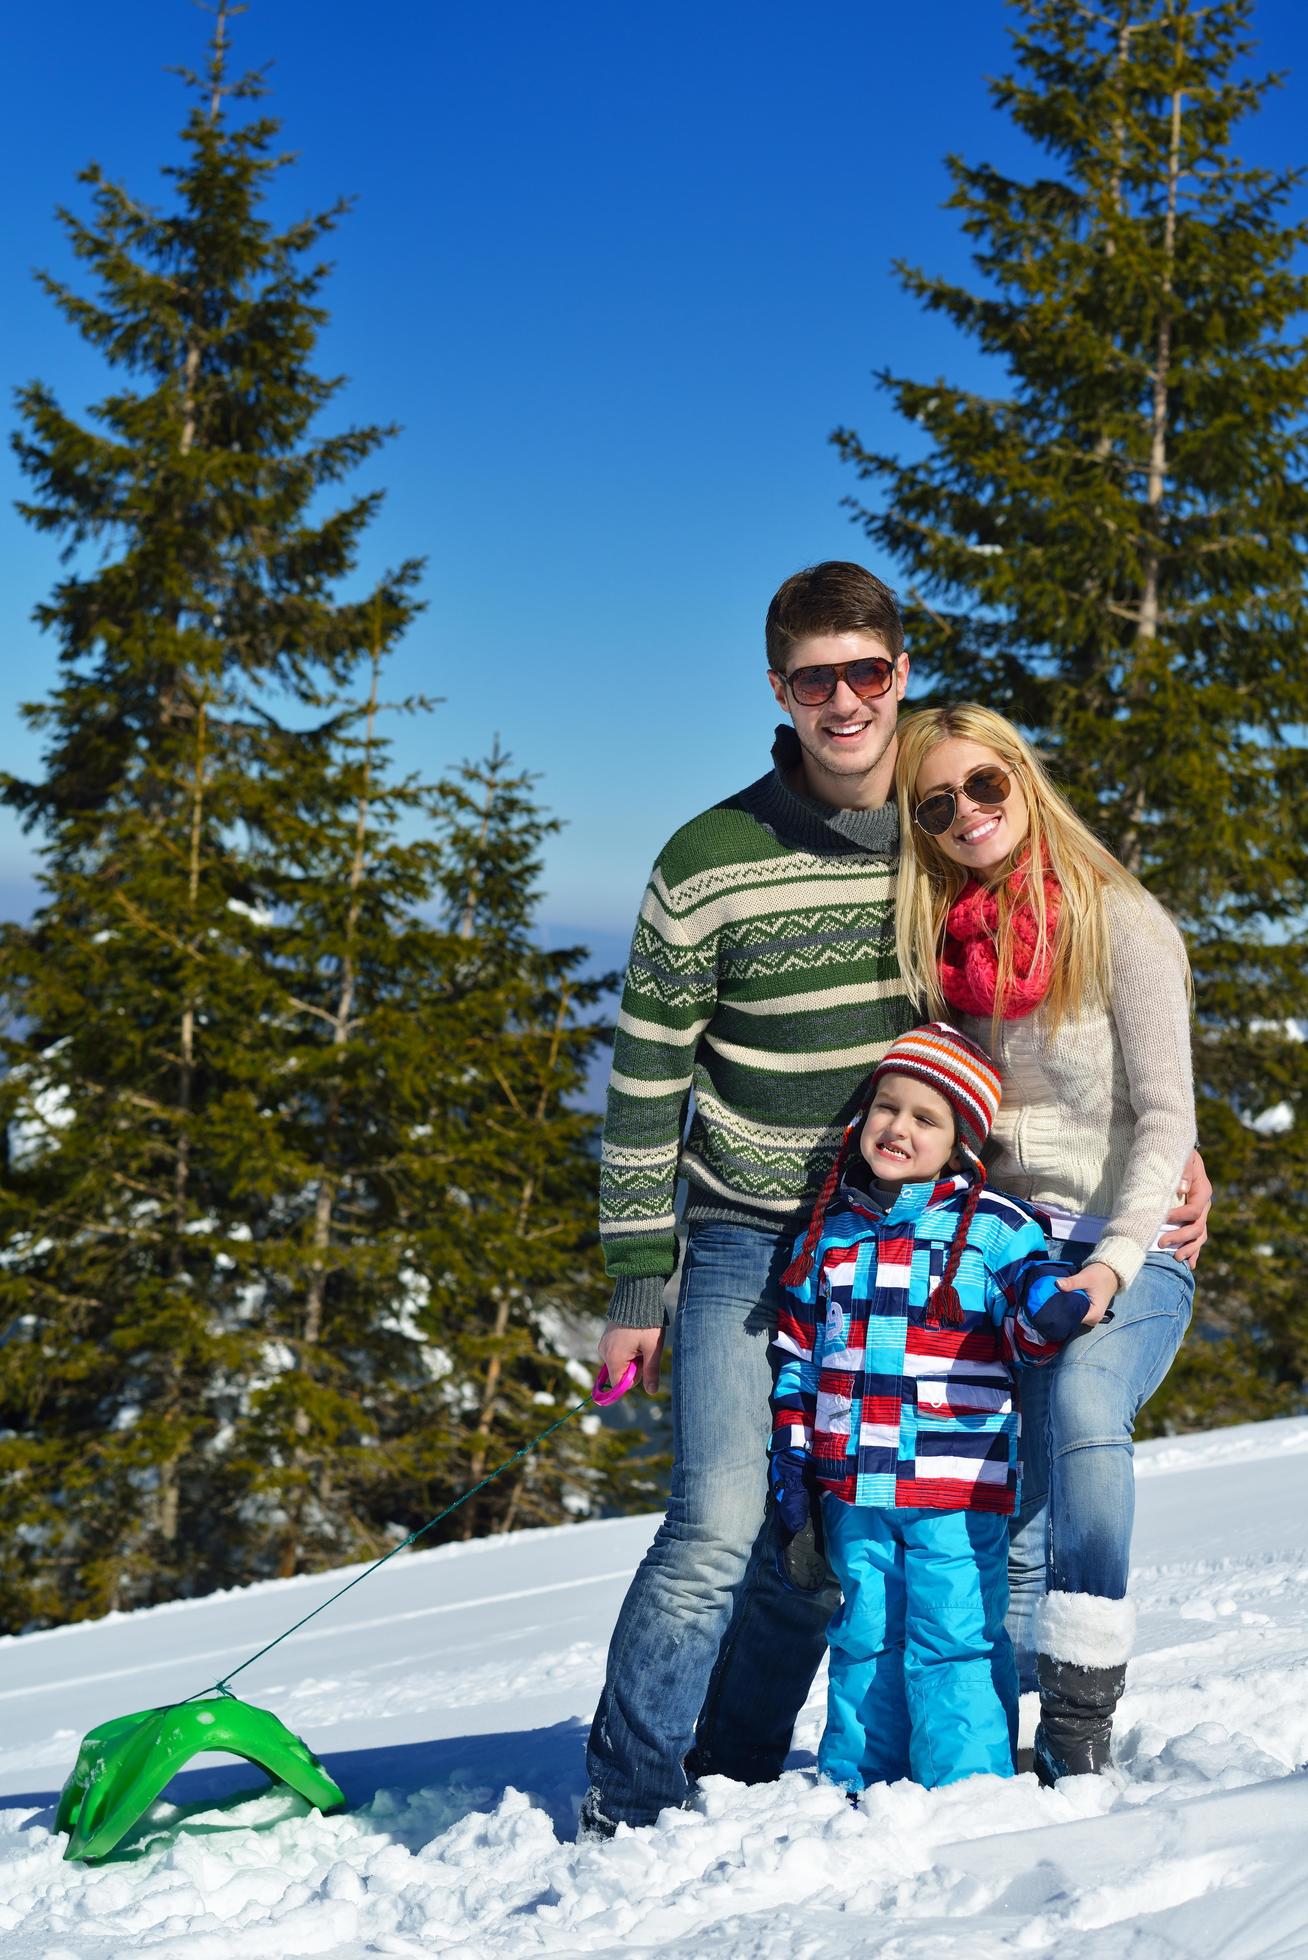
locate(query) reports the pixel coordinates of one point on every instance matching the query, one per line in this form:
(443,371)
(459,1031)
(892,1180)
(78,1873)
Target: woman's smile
(978,832)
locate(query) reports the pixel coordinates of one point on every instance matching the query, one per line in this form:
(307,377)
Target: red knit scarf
(969,963)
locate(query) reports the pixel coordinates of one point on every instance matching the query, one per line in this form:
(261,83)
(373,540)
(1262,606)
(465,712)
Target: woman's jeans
(710,1652)
(1073,1532)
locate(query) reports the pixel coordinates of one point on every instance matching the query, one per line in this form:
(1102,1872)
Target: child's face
(908,1134)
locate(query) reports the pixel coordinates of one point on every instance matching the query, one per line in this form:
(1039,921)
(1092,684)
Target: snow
(450,1696)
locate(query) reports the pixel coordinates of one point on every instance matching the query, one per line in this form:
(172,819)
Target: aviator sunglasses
(987,786)
(811,686)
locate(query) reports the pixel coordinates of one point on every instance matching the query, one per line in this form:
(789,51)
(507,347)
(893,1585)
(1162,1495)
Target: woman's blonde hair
(929,882)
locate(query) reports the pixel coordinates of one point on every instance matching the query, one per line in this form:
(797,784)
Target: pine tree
(198,579)
(1110,548)
(533,1298)
(426,1254)
(324,1141)
(298,1204)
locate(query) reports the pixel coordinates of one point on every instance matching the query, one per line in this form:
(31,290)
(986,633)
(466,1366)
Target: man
(763,976)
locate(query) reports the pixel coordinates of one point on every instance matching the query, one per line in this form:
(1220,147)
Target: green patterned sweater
(763,978)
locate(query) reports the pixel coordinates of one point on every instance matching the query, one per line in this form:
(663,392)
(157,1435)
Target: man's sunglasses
(936,812)
(811,686)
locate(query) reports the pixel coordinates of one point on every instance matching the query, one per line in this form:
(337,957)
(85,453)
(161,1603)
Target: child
(913,1302)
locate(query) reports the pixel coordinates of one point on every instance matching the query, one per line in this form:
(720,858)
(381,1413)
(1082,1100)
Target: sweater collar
(820,826)
(914,1199)
(911,1201)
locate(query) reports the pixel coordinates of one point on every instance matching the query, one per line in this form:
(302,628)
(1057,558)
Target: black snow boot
(1077,1705)
(1083,1642)
(592,1825)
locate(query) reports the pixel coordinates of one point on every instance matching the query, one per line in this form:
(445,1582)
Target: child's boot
(1084,1642)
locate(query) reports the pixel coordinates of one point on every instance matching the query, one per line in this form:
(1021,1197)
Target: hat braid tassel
(802,1264)
(945,1307)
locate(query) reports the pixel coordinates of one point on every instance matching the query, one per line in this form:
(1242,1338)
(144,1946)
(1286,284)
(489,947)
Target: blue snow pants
(922,1678)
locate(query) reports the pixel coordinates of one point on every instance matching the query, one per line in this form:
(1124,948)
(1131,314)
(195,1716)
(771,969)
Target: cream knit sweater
(1099,1117)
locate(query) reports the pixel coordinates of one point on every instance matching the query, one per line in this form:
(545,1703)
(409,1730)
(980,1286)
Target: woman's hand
(1188,1218)
(1100,1282)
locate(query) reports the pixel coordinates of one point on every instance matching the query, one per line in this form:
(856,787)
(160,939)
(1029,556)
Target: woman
(1015,923)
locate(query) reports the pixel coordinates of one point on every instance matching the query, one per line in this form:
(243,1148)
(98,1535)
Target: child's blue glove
(789,1480)
(1052,1312)
(801,1553)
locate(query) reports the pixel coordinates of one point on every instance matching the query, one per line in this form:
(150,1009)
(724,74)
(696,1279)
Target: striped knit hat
(964,1075)
(956,1069)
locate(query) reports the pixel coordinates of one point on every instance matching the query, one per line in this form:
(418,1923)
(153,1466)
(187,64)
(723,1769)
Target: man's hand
(1189,1219)
(1096,1280)
(620,1346)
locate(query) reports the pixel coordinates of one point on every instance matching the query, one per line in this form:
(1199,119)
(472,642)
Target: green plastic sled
(123,1765)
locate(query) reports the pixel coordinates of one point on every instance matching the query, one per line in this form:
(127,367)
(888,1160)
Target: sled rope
(221,1685)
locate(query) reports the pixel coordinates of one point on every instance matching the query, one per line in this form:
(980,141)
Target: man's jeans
(1073,1531)
(710,1650)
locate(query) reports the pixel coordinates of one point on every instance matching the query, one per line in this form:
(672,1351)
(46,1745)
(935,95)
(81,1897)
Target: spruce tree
(323,1143)
(533,1298)
(1108,544)
(425,1252)
(288,1091)
(198,577)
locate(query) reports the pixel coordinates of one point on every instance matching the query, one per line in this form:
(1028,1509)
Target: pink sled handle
(606,1391)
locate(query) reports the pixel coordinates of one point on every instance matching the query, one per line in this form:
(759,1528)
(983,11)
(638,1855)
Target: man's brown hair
(834,597)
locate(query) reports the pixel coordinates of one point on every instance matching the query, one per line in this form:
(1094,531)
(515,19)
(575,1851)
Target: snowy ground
(449,1697)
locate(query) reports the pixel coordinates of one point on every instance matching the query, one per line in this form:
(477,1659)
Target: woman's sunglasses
(811,686)
(936,812)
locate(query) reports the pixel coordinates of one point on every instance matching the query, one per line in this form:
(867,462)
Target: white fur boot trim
(1085,1629)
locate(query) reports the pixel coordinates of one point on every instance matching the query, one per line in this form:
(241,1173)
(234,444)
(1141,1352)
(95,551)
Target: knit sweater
(892,1410)
(1098,1118)
(763,977)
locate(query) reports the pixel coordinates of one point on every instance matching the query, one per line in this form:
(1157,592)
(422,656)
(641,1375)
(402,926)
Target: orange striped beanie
(956,1069)
(950,1063)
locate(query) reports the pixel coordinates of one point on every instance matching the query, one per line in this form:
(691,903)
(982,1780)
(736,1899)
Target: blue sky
(618,271)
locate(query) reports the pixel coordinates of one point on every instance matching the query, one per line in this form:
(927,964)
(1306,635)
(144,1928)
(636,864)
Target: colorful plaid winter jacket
(896,1412)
